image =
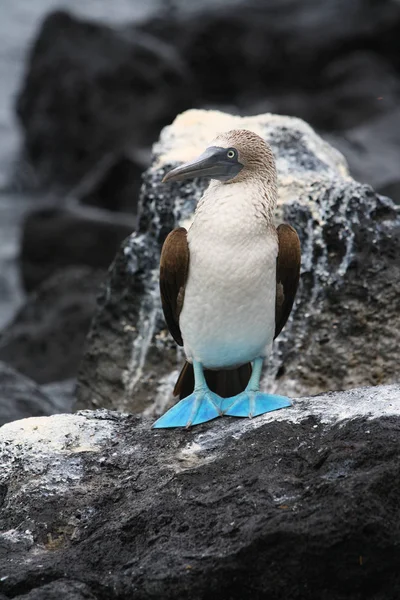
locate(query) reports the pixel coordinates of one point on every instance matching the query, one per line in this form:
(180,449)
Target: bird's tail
(226,382)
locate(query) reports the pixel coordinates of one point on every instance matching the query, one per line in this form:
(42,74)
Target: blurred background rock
(86,88)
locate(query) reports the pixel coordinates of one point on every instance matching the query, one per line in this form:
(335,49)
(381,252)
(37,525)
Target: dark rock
(373,152)
(301,504)
(45,340)
(333,64)
(355,88)
(351,90)
(55,238)
(116,348)
(62,393)
(92,90)
(21,397)
(115,188)
(391,189)
(273,50)
(344,330)
(60,589)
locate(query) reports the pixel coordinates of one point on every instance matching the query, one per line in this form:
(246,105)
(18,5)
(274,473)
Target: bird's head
(233,156)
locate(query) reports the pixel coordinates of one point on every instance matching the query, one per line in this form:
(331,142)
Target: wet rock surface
(344,329)
(45,340)
(301,503)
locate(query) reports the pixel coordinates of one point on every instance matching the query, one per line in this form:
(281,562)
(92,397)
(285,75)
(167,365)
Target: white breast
(228,315)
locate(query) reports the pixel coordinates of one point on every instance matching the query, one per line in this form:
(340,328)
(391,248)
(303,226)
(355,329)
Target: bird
(228,283)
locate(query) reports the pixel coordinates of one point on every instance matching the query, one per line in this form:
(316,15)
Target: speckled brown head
(233,156)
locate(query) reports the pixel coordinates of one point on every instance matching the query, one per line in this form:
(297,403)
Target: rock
(46,338)
(373,154)
(62,393)
(12,210)
(301,504)
(117,348)
(54,238)
(352,90)
(361,86)
(272,57)
(278,51)
(91,91)
(344,330)
(117,86)
(72,590)
(21,397)
(115,186)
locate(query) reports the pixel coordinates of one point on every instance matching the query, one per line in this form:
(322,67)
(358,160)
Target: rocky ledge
(300,504)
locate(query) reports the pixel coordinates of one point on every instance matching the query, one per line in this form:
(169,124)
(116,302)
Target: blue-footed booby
(228,283)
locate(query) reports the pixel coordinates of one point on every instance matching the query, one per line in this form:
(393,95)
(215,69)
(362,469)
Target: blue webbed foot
(251,404)
(201,406)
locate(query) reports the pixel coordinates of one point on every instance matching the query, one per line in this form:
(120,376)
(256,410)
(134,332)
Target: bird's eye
(230,154)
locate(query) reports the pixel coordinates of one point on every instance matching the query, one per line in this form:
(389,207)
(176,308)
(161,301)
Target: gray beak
(213,163)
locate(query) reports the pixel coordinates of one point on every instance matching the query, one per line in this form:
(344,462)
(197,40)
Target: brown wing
(287,274)
(174,264)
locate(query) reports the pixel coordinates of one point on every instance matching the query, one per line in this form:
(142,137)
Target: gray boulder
(21,397)
(300,55)
(301,504)
(46,338)
(92,91)
(344,329)
(117,86)
(55,238)
(373,152)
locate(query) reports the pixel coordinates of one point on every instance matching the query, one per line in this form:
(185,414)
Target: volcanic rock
(301,504)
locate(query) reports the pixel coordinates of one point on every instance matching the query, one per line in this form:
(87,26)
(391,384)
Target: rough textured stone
(344,330)
(301,504)
(46,338)
(21,397)
(55,238)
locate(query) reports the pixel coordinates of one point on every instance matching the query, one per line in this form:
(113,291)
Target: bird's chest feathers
(231,245)
(229,305)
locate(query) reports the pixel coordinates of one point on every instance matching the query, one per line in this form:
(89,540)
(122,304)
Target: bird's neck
(247,206)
